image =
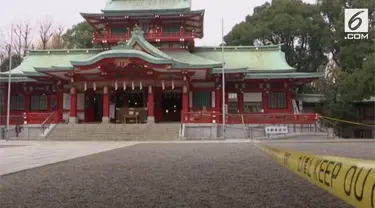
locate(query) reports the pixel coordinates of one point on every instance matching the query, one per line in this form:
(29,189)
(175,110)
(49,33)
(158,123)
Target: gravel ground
(362,149)
(165,175)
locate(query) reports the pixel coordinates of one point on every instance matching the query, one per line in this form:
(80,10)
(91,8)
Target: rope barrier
(346,121)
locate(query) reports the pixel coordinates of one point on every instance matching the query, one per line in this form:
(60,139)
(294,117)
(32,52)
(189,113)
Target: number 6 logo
(356,20)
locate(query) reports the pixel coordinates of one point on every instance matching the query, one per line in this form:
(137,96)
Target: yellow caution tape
(345,121)
(352,180)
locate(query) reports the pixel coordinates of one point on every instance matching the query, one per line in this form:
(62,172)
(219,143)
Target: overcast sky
(66,13)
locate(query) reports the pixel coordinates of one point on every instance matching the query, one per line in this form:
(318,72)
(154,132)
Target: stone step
(124,132)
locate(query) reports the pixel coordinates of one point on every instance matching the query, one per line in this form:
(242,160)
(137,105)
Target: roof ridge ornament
(137,31)
(121,44)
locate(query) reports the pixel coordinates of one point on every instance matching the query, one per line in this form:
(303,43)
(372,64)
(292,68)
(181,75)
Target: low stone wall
(239,131)
(28,132)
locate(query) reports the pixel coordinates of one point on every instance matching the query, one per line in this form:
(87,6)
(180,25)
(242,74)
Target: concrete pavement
(22,155)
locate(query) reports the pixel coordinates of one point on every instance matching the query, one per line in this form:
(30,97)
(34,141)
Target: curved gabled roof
(50,58)
(255,59)
(126,53)
(146,5)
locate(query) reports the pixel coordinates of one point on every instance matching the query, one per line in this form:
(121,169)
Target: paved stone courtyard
(165,174)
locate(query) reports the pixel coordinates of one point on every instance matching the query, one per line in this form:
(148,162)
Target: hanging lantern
(85,86)
(94,86)
(140,85)
(116,85)
(124,85)
(133,85)
(172,85)
(162,85)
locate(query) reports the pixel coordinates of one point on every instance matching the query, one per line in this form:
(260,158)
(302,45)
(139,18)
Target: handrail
(46,120)
(49,116)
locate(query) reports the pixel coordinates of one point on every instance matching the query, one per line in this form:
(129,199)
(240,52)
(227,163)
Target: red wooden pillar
(150,105)
(289,94)
(226,101)
(240,101)
(105,118)
(265,101)
(73,105)
(218,99)
(27,102)
(60,102)
(5,103)
(185,102)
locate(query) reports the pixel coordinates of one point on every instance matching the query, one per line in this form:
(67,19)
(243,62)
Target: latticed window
(201,99)
(39,102)
(252,102)
(17,102)
(232,103)
(277,100)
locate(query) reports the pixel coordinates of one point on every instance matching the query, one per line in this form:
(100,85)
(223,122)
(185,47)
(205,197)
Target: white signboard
(276,129)
(252,97)
(66,104)
(80,101)
(112,111)
(356,23)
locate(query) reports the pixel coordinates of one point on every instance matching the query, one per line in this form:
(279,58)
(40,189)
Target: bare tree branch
(45,31)
(26,38)
(17,41)
(57,41)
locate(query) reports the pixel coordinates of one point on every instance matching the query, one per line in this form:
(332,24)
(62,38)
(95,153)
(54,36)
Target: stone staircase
(113,132)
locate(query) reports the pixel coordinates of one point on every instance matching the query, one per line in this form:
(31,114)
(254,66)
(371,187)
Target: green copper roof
(285,75)
(124,53)
(146,5)
(17,79)
(50,58)
(192,60)
(178,58)
(143,13)
(138,38)
(255,59)
(125,50)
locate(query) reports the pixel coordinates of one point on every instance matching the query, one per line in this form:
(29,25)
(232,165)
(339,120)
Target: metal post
(223,75)
(9,80)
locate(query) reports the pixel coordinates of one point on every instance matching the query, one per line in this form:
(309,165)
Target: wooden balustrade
(216,117)
(30,118)
(116,37)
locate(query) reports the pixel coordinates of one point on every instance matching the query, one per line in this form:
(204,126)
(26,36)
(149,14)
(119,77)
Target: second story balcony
(113,38)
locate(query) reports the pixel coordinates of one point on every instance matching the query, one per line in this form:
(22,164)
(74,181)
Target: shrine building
(146,67)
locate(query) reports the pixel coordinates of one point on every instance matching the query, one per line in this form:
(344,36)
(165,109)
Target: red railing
(39,118)
(16,119)
(116,37)
(216,117)
(30,118)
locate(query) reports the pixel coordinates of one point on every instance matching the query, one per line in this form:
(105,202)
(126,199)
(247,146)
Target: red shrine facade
(147,68)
